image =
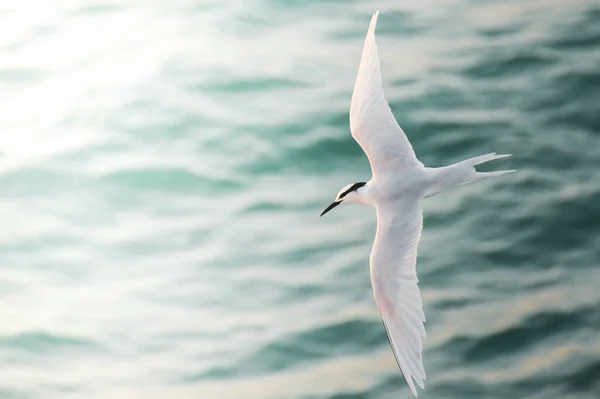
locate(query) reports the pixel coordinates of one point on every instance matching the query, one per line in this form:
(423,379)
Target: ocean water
(163,165)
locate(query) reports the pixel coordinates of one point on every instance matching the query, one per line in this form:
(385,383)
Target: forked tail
(461,173)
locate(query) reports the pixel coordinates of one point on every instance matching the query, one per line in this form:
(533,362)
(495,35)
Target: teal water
(163,165)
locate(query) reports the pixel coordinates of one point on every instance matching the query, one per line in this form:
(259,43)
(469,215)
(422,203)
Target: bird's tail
(462,173)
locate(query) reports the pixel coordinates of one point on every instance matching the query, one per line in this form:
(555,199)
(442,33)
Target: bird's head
(351,193)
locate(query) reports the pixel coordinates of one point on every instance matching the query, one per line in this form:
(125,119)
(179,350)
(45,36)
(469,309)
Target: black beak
(330,207)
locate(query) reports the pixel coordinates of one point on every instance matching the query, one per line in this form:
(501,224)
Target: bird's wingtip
(414,391)
(374,20)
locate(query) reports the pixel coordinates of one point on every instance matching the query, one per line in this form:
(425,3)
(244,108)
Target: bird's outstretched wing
(372,123)
(395,285)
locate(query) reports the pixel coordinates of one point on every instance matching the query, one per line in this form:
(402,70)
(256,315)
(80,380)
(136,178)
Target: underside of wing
(396,289)
(405,331)
(372,123)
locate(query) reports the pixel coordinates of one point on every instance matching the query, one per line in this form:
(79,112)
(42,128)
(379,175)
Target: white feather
(372,123)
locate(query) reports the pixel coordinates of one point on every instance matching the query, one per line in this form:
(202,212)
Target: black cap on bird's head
(343,193)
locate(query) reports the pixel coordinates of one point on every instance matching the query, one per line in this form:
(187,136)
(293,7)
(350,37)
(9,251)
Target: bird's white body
(399,182)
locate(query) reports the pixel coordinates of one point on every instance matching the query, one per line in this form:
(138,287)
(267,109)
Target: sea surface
(163,165)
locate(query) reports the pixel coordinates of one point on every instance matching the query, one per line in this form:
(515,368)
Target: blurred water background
(163,165)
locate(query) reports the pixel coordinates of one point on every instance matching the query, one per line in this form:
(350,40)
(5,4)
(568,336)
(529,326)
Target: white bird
(399,181)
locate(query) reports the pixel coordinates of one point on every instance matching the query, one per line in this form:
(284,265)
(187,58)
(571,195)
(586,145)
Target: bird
(399,181)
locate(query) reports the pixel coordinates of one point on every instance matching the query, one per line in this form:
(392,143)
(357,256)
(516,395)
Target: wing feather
(372,123)
(395,285)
